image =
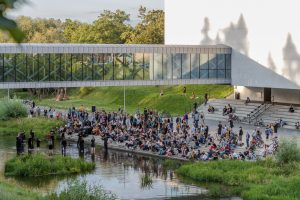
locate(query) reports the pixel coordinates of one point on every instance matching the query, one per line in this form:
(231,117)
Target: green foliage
(149,31)
(12,108)
(7,24)
(79,190)
(41,126)
(288,152)
(253,180)
(43,165)
(10,191)
(111,27)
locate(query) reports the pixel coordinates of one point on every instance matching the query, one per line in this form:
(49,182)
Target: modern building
(264,36)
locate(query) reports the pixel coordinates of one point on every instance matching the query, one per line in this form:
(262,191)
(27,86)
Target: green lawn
(111,98)
(41,126)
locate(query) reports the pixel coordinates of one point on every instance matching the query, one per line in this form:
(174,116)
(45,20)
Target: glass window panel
(228,73)
(177,66)
(33,68)
(9,70)
(128,66)
(88,66)
(66,69)
(53,67)
(138,66)
(108,66)
(186,66)
(203,73)
(21,67)
(221,61)
(148,72)
(77,67)
(212,73)
(98,63)
(228,61)
(119,62)
(195,61)
(221,73)
(158,70)
(1,67)
(167,66)
(212,61)
(203,61)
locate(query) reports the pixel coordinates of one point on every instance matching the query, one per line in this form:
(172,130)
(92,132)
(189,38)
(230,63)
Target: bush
(288,152)
(79,190)
(12,108)
(43,165)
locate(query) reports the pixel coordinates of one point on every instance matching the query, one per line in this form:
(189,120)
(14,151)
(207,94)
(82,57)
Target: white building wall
(265,31)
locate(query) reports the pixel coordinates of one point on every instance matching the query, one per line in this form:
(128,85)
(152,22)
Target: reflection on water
(129,176)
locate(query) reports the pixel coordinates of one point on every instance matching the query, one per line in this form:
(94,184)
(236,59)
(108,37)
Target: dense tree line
(111,27)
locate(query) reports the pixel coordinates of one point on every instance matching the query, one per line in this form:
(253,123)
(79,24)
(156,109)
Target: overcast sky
(83,10)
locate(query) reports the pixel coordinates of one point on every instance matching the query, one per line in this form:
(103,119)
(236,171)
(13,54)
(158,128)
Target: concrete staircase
(275,112)
(239,107)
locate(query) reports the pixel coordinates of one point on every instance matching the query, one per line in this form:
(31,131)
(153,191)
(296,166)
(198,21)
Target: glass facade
(113,66)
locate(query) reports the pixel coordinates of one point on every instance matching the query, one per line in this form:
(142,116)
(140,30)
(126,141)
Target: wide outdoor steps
(239,107)
(275,112)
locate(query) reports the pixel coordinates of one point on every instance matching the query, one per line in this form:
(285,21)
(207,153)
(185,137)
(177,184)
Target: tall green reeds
(12,108)
(43,165)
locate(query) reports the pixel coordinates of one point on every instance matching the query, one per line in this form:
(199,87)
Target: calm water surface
(119,172)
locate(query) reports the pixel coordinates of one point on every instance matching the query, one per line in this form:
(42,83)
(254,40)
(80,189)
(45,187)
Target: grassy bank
(12,192)
(111,98)
(267,179)
(75,190)
(41,126)
(43,165)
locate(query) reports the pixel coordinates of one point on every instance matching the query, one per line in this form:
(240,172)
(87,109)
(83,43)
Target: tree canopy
(111,27)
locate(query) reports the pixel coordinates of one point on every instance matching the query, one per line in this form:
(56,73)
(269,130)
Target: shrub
(12,108)
(288,152)
(80,190)
(43,165)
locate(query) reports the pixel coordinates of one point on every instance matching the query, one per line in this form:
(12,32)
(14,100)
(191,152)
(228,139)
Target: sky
(82,10)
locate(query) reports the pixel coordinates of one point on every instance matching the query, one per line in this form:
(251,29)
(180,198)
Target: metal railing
(258,111)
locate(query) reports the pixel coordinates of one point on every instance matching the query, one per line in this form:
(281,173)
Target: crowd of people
(186,136)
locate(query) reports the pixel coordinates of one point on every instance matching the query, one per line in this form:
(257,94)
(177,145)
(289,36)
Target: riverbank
(10,191)
(267,179)
(122,147)
(41,126)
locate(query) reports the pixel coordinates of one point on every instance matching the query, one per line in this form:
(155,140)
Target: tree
(109,27)
(7,24)
(149,31)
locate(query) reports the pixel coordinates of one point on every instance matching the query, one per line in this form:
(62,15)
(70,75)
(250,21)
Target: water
(118,172)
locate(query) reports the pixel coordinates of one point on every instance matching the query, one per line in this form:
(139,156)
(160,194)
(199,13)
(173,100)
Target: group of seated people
(227,110)
(211,109)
